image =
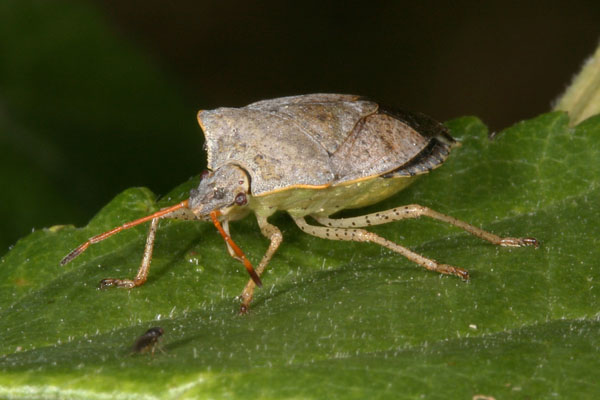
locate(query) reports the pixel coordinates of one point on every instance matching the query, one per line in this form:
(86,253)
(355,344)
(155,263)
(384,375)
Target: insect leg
(142,274)
(225,225)
(169,212)
(361,235)
(275,236)
(239,254)
(416,211)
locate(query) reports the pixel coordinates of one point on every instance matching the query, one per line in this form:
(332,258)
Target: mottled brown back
(320,140)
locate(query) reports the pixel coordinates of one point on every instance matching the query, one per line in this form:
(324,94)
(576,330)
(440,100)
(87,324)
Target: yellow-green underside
(299,202)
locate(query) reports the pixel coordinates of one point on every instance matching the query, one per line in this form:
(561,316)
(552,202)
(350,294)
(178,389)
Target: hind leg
(416,211)
(361,235)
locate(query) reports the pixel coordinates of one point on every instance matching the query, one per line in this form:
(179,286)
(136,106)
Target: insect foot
(519,242)
(122,283)
(451,270)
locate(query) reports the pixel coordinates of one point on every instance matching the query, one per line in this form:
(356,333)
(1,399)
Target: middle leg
(275,236)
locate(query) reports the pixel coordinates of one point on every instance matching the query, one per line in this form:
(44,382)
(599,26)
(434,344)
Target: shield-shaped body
(323,152)
(308,155)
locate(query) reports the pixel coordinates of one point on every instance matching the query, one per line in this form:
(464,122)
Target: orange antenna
(238,252)
(98,238)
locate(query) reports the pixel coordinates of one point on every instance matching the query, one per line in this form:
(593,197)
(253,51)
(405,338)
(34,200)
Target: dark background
(97,96)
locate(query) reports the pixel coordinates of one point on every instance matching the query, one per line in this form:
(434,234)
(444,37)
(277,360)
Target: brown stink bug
(310,155)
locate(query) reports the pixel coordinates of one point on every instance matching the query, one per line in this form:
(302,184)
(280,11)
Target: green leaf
(582,98)
(334,319)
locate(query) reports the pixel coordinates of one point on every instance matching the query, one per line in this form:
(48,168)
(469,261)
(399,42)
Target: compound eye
(241,199)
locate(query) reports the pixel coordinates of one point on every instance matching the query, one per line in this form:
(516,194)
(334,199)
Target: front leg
(142,274)
(275,236)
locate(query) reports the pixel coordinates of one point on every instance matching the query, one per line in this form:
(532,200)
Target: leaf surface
(334,319)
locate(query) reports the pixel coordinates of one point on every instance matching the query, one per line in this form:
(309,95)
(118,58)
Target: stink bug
(310,155)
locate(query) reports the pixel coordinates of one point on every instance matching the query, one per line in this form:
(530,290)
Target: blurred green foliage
(83,115)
